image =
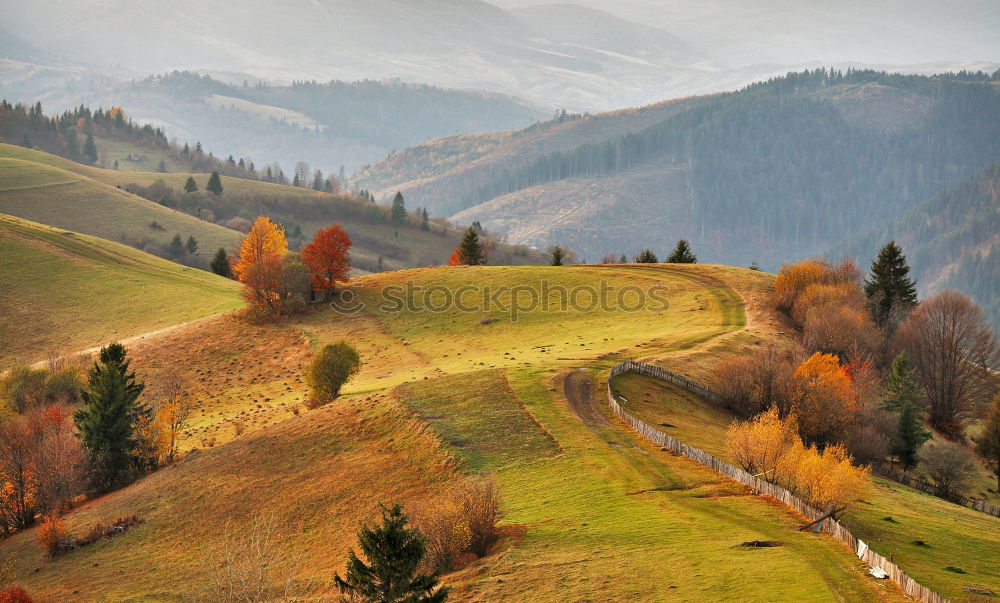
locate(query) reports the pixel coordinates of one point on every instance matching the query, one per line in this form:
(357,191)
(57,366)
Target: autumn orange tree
(328,257)
(258,266)
(823,398)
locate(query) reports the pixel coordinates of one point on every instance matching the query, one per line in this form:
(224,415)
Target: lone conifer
(110,411)
(470,250)
(214,185)
(220,263)
(398,209)
(557,256)
(890,290)
(682,254)
(190,186)
(394,553)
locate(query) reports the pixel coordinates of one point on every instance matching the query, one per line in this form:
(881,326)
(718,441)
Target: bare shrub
(256,566)
(752,383)
(208,441)
(949,466)
(463,520)
(239,427)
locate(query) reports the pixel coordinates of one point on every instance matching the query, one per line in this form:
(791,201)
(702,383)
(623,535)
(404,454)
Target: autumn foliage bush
(52,534)
(14,594)
(768,446)
(823,398)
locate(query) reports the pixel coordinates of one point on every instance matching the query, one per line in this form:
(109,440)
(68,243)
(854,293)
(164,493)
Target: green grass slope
(50,190)
(70,291)
(892,519)
(56,191)
(592,512)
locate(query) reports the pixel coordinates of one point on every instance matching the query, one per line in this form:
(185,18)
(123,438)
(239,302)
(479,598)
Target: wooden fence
(929,488)
(911,587)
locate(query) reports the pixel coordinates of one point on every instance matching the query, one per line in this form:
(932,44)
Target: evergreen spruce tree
(192,244)
(425,220)
(900,388)
(72,146)
(26,141)
(163,167)
(890,290)
(557,256)
(393,553)
(646,256)
(623,259)
(109,414)
(910,436)
(90,149)
(176,247)
(190,186)
(682,254)
(186,150)
(470,250)
(214,185)
(988,440)
(398,209)
(220,263)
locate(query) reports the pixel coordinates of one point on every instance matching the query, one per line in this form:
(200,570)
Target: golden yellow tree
(264,239)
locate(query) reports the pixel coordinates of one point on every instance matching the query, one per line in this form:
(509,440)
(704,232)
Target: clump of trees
(769,447)
(330,369)
(276,282)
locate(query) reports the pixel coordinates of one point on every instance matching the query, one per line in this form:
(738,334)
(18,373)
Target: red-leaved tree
(328,257)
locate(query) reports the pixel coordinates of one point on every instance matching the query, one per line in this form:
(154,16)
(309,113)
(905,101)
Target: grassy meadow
(592,511)
(893,519)
(70,291)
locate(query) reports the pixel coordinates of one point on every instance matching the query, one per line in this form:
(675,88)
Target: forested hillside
(326,125)
(780,169)
(952,240)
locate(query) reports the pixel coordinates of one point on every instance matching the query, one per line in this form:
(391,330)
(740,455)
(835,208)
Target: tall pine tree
(108,417)
(682,254)
(890,290)
(220,263)
(394,553)
(910,436)
(470,250)
(901,389)
(398,209)
(190,185)
(557,256)
(214,185)
(90,149)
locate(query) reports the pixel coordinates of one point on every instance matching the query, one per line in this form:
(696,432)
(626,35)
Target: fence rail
(909,586)
(919,484)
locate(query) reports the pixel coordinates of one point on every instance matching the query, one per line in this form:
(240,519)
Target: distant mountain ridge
(952,240)
(776,171)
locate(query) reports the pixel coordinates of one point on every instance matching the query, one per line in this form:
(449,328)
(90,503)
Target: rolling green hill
(56,191)
(589,507)
(67,291)
(775,171)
